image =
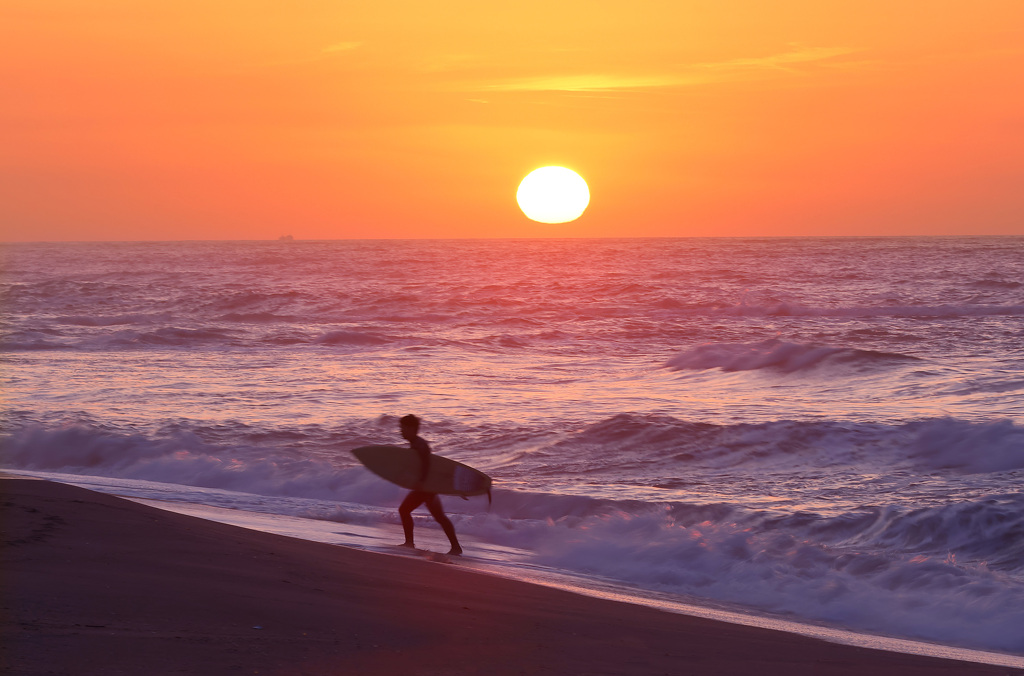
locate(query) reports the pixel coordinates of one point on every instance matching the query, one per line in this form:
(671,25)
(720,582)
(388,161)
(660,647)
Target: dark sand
(93,584)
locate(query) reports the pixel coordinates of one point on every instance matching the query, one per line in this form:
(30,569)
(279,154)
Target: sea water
(826,430)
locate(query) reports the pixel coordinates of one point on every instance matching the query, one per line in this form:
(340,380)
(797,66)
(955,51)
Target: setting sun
(553,195)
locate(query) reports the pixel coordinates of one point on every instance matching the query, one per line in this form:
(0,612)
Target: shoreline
(96,584)
(579,585)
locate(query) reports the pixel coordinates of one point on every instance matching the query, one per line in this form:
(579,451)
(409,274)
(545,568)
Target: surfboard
(401,465)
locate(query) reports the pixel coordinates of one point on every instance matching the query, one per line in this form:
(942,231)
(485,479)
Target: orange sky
(326,119)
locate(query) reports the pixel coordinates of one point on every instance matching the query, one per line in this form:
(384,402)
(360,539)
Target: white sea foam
(735,556)
(887,568)
(911,595)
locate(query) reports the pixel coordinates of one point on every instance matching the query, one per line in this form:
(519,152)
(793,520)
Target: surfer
(410,427)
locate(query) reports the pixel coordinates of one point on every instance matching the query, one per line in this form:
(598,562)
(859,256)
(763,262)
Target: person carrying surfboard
(410,427)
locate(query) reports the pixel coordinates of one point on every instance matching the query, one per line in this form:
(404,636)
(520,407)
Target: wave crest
(776,355)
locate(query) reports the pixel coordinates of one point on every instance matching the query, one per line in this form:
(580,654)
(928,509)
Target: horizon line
(294,240)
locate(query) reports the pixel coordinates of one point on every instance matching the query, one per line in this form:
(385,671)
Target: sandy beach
(94,584)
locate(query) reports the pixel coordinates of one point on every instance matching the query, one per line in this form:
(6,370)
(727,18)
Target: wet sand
(93,584)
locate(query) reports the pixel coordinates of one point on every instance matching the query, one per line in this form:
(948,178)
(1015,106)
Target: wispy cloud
(594,83)
(781,61)
(689,75)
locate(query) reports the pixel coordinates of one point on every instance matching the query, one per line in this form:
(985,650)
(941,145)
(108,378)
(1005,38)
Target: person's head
(410,426)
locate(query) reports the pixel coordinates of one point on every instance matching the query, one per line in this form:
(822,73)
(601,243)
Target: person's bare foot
(408,544)
(455,551)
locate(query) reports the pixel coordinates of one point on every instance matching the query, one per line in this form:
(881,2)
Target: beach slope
(94,584)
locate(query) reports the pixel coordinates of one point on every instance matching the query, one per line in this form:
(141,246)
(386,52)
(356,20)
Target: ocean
(828,431)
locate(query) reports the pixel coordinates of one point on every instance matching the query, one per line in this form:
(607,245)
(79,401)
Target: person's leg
(437,511)
(411,502)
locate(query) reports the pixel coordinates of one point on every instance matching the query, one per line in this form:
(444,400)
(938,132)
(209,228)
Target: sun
(553,195)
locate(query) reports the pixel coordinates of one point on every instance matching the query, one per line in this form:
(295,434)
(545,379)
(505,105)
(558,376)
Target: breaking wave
(777,355)
(898,569)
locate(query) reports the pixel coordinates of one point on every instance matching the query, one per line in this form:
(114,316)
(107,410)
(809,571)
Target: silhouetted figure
(410,427)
